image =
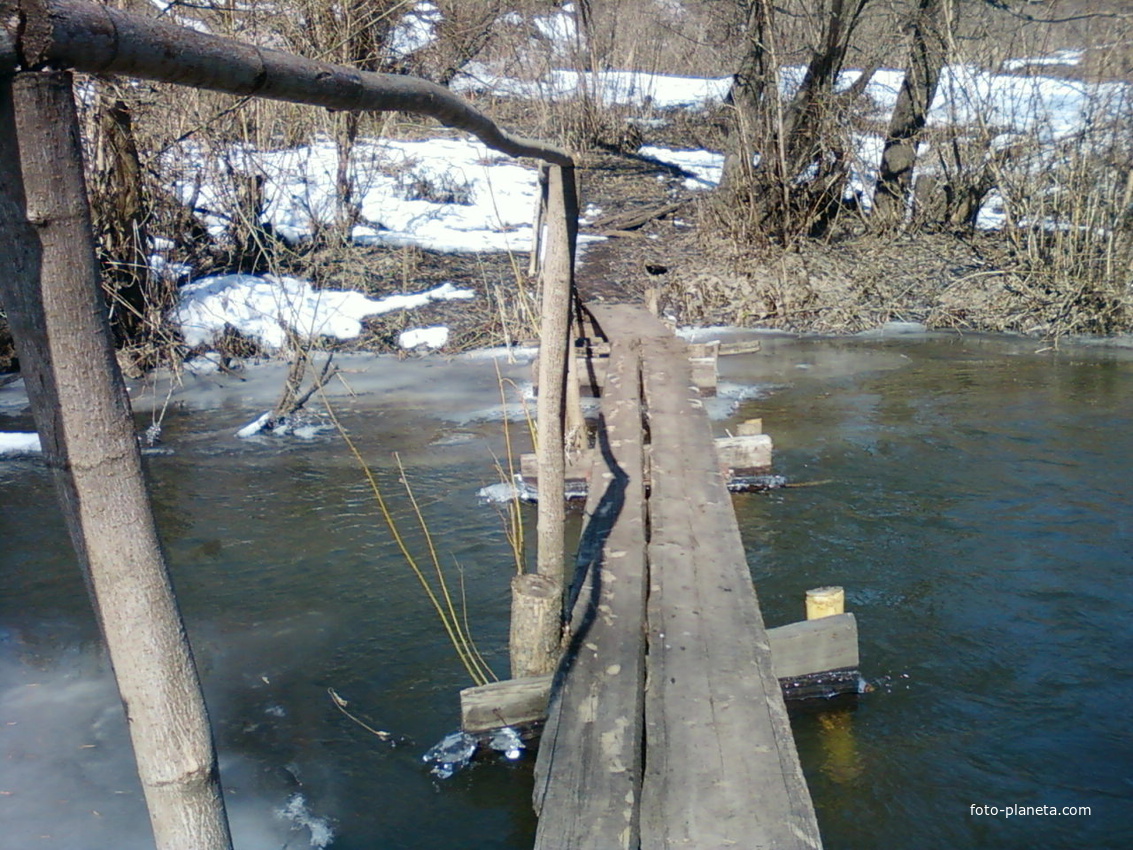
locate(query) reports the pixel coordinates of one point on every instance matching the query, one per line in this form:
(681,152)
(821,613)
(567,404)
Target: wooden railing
(51,291)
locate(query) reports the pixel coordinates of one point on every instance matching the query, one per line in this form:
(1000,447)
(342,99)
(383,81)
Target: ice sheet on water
(507,741)
(296,811)
(18,443)
(506,491)
(297,425)
(453,752)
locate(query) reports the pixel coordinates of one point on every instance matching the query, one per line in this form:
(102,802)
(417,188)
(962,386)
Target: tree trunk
(58,316)
(798,184)
(927,54)
(121,216)
(752,119)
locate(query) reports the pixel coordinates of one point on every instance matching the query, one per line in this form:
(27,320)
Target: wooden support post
(558,283)
(50,287)
(534,263)
(536,622)
(825,602)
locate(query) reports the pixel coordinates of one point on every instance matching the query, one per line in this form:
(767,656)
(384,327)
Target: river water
(973,496)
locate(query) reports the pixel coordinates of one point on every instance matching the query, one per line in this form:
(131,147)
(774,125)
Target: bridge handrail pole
(57,314)
(557,279)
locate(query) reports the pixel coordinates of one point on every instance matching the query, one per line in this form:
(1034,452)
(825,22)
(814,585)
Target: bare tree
(58,316)
(798,183)
(928,52)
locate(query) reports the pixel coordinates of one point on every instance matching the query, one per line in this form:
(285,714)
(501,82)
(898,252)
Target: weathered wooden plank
(722,769)
(814,646)
(738,456)
(750,346)
(591,373)
(512,702)
(626,321)
(802,650)
(588,773)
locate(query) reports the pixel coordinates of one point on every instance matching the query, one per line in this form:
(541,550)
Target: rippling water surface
(974,498)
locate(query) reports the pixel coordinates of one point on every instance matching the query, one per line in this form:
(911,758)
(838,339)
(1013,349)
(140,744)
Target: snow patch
(706,167)
(268,308)
(415,31)
(435,337)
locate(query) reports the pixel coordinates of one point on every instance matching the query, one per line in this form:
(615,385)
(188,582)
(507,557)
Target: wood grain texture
(588,774)
(722,770)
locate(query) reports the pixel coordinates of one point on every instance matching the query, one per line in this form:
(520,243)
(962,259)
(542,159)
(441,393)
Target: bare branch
(101,40)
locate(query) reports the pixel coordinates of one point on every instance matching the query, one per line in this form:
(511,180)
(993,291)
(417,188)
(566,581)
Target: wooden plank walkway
(667,726)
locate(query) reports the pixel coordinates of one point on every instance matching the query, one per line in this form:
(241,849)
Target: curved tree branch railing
(51,290)
(83,36)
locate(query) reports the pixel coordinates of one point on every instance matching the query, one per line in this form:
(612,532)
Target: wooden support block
(740,455)
(702,358)
(744,454)
(591,368)
(814,646)
(577,469)
(751,346)
(513,702)
(801,652)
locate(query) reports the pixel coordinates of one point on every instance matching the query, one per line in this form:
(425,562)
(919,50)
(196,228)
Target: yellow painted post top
(825,602)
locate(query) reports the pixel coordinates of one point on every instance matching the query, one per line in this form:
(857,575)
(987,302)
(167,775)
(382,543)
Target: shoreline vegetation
(806,167)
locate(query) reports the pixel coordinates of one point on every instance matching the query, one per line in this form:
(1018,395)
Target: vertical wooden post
(558,284)
(50,287)
(574,441)
(536,625)
(825,602)
(536,261)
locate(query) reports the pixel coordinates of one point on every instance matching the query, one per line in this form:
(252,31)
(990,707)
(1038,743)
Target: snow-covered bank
(268,309)
(439,194)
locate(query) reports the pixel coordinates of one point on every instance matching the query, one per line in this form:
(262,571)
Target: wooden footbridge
(666,725)
(666,722)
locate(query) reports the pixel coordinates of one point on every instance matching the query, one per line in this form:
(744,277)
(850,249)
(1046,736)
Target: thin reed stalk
(471,659)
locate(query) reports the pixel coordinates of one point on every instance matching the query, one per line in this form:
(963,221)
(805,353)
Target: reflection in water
(975,501)
(842,763)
